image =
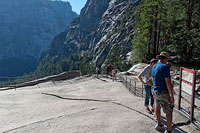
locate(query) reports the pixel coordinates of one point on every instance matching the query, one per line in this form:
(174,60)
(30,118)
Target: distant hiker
(98,70)
(163,91)
(109,69)
(114,73)
(146,78)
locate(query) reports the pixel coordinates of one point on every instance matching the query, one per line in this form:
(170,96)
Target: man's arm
(170,89)
(140,78)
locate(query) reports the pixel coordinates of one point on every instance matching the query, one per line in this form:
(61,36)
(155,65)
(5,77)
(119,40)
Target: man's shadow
(175,126)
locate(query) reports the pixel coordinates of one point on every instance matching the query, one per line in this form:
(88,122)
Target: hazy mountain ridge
(78,34)
(27,27)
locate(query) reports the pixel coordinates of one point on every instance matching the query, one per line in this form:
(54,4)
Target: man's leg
(159,126)
(169,122)
(158,115)
(152,99)
(147,96)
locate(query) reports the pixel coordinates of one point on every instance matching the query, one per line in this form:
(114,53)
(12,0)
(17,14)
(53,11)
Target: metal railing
(7,83)
(136,88)
(14,81)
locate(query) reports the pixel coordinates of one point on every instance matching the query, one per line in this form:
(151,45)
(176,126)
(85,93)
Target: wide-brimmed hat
(153,60)
(163,54)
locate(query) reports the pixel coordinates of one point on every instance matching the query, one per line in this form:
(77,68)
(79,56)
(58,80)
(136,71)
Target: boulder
(136,69)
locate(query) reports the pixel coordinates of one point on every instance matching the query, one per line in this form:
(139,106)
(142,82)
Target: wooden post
(193,96)
(180,85)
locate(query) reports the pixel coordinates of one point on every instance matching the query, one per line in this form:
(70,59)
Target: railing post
(179,97)
(193,95)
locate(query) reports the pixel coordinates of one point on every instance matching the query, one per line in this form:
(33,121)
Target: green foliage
(60,64)
(144,27)
(139,53)
(118,58)
(167,25)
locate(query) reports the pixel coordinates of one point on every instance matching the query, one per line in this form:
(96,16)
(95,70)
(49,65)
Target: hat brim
(158,57)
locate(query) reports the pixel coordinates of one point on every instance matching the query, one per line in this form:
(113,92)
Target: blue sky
(77,5)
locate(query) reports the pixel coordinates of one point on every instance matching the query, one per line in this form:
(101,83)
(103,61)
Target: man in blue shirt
(163,91)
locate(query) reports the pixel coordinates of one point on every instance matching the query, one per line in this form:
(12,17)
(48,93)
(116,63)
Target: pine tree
(172,26)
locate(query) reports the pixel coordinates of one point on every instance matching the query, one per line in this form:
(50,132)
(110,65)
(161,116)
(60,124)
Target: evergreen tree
(173,26)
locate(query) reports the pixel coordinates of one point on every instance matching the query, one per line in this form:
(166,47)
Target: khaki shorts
(163,101)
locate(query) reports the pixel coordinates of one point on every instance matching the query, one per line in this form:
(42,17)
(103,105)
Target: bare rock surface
(83,104)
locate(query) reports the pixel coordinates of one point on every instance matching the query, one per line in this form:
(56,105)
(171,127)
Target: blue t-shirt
(160,71)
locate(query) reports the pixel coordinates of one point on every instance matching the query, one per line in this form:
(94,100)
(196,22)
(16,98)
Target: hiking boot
(148,110)
(160,127)
(152,110)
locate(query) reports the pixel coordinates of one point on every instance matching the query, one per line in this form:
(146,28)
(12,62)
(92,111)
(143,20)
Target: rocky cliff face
(26,29)
(115,31)
(102,27)
(78,35)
